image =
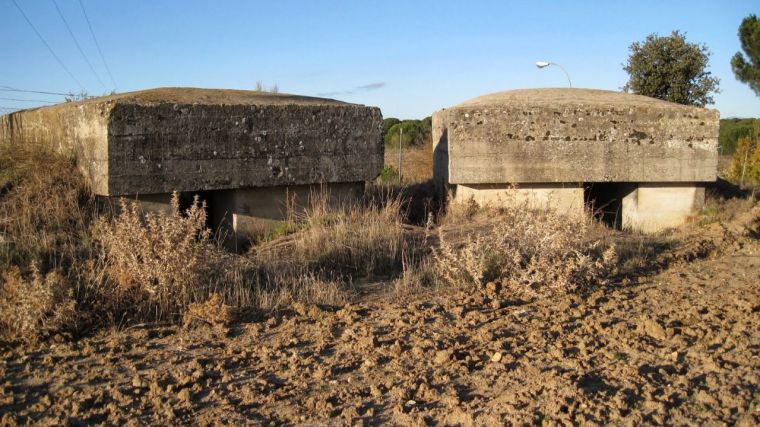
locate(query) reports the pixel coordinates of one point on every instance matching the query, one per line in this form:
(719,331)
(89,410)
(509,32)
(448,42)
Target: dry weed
(530,252)
(46,208)
(35,307)
(167,258)
(351,240)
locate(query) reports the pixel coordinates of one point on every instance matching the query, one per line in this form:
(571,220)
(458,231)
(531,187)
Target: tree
(747,70)
(388,123)
(672,69)
(416,133)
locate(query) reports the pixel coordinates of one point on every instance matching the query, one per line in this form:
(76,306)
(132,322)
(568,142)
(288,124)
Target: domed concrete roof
(190,95)
(568,96)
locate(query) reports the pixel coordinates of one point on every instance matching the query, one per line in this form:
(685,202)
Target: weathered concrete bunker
(245,152)
(639,162)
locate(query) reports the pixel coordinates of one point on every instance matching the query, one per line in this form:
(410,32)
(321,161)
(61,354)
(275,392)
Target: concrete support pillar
(654,207)
(566,199)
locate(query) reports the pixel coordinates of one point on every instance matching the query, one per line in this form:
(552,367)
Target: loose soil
(675,342)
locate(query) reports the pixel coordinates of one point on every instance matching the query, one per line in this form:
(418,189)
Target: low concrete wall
(654,207)
(246,215)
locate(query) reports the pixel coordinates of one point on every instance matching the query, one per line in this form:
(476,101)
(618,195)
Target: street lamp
(544,64)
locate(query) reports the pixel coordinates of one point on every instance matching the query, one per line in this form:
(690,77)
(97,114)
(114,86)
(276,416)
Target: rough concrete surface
(185,139)
(575,135)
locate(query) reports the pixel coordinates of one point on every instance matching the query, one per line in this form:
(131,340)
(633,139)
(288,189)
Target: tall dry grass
(334,248)
(416,162)
(46,209)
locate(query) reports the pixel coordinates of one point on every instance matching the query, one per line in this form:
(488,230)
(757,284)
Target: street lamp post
(544,64)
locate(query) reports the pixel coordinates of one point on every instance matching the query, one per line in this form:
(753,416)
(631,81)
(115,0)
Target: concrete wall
(79,130)
(251,213)
(160,148)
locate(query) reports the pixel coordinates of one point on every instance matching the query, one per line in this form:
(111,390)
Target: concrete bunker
(639,162)
(248,154)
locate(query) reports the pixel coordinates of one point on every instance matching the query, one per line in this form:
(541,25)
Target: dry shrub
(46,211)
(35,307)
(164,261)
(418,274)
(530,252)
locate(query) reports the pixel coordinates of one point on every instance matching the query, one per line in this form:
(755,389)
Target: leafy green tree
(389,123)
(747,69)
(672,69)
(416,133)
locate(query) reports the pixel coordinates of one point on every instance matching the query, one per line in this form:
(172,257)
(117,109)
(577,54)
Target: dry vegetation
(69,268)
(416,163)
(529,252)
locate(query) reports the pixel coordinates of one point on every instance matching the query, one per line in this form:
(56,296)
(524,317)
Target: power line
(12,89)
(71,33)
(30,100)
(102,58)
(48,46)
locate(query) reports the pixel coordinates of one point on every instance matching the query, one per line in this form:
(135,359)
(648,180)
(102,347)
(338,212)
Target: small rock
(458,311)
(184,395)
(496,357)
(704,398)
(442,357)
(137,381)
(653,329)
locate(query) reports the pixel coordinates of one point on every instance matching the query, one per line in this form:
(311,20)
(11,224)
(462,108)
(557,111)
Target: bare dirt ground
(675,342)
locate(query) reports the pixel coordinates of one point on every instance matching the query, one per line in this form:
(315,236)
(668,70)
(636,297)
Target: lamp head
(542,64)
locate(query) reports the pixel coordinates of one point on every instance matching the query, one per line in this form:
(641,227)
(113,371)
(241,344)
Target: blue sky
(408,58)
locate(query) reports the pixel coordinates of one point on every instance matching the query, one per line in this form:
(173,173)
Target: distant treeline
(731,130)
(416,132)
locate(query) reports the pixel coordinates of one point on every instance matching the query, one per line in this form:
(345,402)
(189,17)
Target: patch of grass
(389,174)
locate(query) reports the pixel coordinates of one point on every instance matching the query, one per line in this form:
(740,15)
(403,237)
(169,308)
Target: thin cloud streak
(358,89)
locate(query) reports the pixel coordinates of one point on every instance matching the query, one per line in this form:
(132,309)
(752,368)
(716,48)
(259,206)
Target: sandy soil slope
(680,345)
